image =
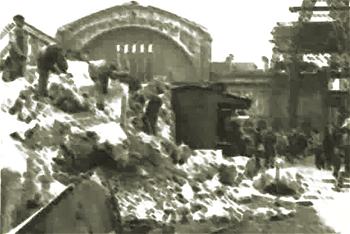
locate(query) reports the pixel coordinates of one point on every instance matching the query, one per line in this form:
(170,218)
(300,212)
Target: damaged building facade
(152,42)
(149,41)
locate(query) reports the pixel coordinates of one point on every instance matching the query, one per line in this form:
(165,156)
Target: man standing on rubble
(50,59)
(18,48)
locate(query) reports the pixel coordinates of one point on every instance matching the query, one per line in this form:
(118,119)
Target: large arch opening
(145,52)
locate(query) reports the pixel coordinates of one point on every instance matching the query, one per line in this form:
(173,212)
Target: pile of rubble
(64,139)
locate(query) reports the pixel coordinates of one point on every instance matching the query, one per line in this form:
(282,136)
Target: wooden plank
(318,8)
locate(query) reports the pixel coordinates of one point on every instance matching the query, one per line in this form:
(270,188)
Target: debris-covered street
(124,123)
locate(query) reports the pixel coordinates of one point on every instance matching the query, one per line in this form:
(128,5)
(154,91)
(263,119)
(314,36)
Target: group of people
(50,58)
(330,148)
(336,144)
(53,59)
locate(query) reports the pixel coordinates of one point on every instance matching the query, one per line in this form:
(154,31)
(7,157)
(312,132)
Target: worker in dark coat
(301,144)
(101,71)
(292,145)
(346,146)
(328,146)
(316,146)
(269,139)
(150,117)
(18,48)
(50,59)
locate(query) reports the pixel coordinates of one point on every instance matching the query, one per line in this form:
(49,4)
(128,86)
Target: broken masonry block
(16,136)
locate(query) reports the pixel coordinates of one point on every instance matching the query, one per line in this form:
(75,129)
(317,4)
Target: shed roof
(214,88)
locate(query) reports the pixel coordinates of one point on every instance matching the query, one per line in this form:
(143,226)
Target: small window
(150,48)
(118,48)
(126,48)
(142,48)
(134,48)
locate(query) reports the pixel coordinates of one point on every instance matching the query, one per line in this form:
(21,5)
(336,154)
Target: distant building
(269,93)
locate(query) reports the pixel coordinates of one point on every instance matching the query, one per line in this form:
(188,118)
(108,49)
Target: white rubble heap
(166,183)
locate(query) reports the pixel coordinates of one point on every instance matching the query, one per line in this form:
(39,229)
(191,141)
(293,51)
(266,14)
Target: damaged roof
(130,6)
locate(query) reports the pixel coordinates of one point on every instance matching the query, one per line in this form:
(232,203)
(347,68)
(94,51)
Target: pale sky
(240,27)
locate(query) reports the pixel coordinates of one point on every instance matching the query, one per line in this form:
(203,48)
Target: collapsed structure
(106,154)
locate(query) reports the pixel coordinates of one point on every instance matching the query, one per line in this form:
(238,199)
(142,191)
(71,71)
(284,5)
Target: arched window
(126,48)
(142,48)
(150,48)
(118,48)
(133,48)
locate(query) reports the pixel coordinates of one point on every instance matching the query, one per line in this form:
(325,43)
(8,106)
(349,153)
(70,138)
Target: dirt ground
(305,221)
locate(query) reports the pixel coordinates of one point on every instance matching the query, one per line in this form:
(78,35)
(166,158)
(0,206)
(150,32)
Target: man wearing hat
(18,48)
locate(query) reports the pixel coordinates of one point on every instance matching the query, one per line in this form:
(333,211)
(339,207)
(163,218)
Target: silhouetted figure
(336,161)
(292,145)
(337,137)
(50,59)
(269,139)
(150,117)
(301,144)
(236,139)
(259,146)
(346,145)
(18,48)
(281,144)
(328,145)
(316,146)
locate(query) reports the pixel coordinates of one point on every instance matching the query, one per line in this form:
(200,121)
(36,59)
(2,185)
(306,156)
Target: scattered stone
(227,175)
(219,230)
(305,203)
(17,107)
(251,168)
(311,197)
(16,136)
(287,185)
(244,199)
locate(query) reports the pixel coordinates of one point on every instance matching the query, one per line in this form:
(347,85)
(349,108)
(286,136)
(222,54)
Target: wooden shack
(201,113)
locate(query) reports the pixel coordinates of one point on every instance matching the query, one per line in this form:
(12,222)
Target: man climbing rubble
(150,117)
(51,58)
(15,63)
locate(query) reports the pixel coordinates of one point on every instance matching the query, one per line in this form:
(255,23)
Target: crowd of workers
(331,148)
